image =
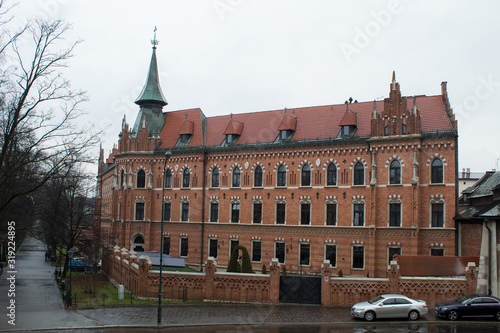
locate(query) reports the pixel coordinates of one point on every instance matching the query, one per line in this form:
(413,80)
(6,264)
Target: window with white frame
(359,174)
(257,212)
(305,212)
(184,211)
(235,212)
(256,250)
(183,246)
(331,175)
(215,177)
(306,175)
(331,254)
(236,177)
(279,252)
(257,176)
(392,251)
(305,254)
(395,173)
(186,177)
(358,213)
(437,171)
(358,257)
(394,214)
(330,212)
(214,212)
(168,179)
(280,212)
(141,179)
(139,210)
(213,245)
(281,179)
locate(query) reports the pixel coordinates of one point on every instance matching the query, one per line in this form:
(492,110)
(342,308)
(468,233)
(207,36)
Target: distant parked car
(390,306)
(78,264)
(469,306)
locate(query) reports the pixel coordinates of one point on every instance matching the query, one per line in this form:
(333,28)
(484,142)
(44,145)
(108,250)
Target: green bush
(264,269)
(234,265)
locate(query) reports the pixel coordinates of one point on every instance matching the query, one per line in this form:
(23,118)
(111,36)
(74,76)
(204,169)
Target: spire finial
(155,41)
(393,80)
(285,111)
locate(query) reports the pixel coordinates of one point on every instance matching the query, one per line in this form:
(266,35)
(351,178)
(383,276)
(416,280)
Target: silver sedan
(390,306)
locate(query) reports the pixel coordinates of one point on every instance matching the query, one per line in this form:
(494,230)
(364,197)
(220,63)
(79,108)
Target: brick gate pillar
(144,268)
(326,275)
(210,268)
(393,275)
(274,285)
(471,276)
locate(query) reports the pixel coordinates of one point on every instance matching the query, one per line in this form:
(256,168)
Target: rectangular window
(395,214)
(235,212)
(119,210)
(184,245)
(139,211)
(331,254)
(331,214)
(166,245)
(358,216)
(233,243)
(167,209)
(212,248)
(279,252)
(280,213)
(438,215)
(305,214)
(305,254)
(256,251)
(393,251)
(214,212)
(185,211)
(437,252)
(358,257)
(257,213)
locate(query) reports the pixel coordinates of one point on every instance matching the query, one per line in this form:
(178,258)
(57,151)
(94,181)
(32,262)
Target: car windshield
(463,299)
(376,300)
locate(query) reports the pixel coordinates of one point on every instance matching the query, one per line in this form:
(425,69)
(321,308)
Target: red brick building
(353,183)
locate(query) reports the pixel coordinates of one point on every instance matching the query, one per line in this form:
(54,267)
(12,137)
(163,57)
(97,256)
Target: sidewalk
(39,307)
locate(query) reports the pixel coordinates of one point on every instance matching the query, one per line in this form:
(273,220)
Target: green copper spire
(151,93)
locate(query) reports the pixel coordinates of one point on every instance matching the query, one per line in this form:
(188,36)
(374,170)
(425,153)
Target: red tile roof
(434,265)
(317,122)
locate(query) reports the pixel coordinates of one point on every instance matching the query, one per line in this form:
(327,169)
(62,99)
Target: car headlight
(444,308)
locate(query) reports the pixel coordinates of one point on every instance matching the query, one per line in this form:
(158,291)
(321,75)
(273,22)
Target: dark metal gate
(302,290)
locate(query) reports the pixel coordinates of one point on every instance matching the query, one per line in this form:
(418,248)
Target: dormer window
(348,130)
(286,134)
(349,123)
(231,138)
(184,138)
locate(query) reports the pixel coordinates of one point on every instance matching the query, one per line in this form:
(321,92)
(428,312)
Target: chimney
(463,172)
(468,173)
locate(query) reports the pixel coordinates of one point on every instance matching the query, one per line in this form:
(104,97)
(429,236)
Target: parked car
(469,306)
(390,306)
(78,264)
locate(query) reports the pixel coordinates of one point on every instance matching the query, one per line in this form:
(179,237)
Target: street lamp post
(168,153)
(70,255)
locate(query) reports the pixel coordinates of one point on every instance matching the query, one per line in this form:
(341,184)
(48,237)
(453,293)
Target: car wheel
(413,315)
(369,316)
(453,315)
(497,316)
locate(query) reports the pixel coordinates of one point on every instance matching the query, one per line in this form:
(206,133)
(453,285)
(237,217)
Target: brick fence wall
(138,277)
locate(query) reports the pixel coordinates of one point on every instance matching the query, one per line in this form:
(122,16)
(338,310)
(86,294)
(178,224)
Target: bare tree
(39,111)
(66,210)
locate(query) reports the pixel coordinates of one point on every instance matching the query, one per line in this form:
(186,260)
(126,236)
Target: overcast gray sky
(235,56)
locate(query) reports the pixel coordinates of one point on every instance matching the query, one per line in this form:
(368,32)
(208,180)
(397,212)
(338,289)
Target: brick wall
(264,288)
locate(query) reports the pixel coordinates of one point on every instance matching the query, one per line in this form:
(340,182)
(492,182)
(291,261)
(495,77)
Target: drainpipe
(203,196)
(489,257)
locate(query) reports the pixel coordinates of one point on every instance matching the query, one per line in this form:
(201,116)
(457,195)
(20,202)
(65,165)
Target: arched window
(306,175)
(395,172)
(281,176)
(331,174)
(215,177)
(185,178)
(138,245)
(437,171)
(122,179)
(257,177)
(168,179)
(141,179)
(359,174)
(236,177)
